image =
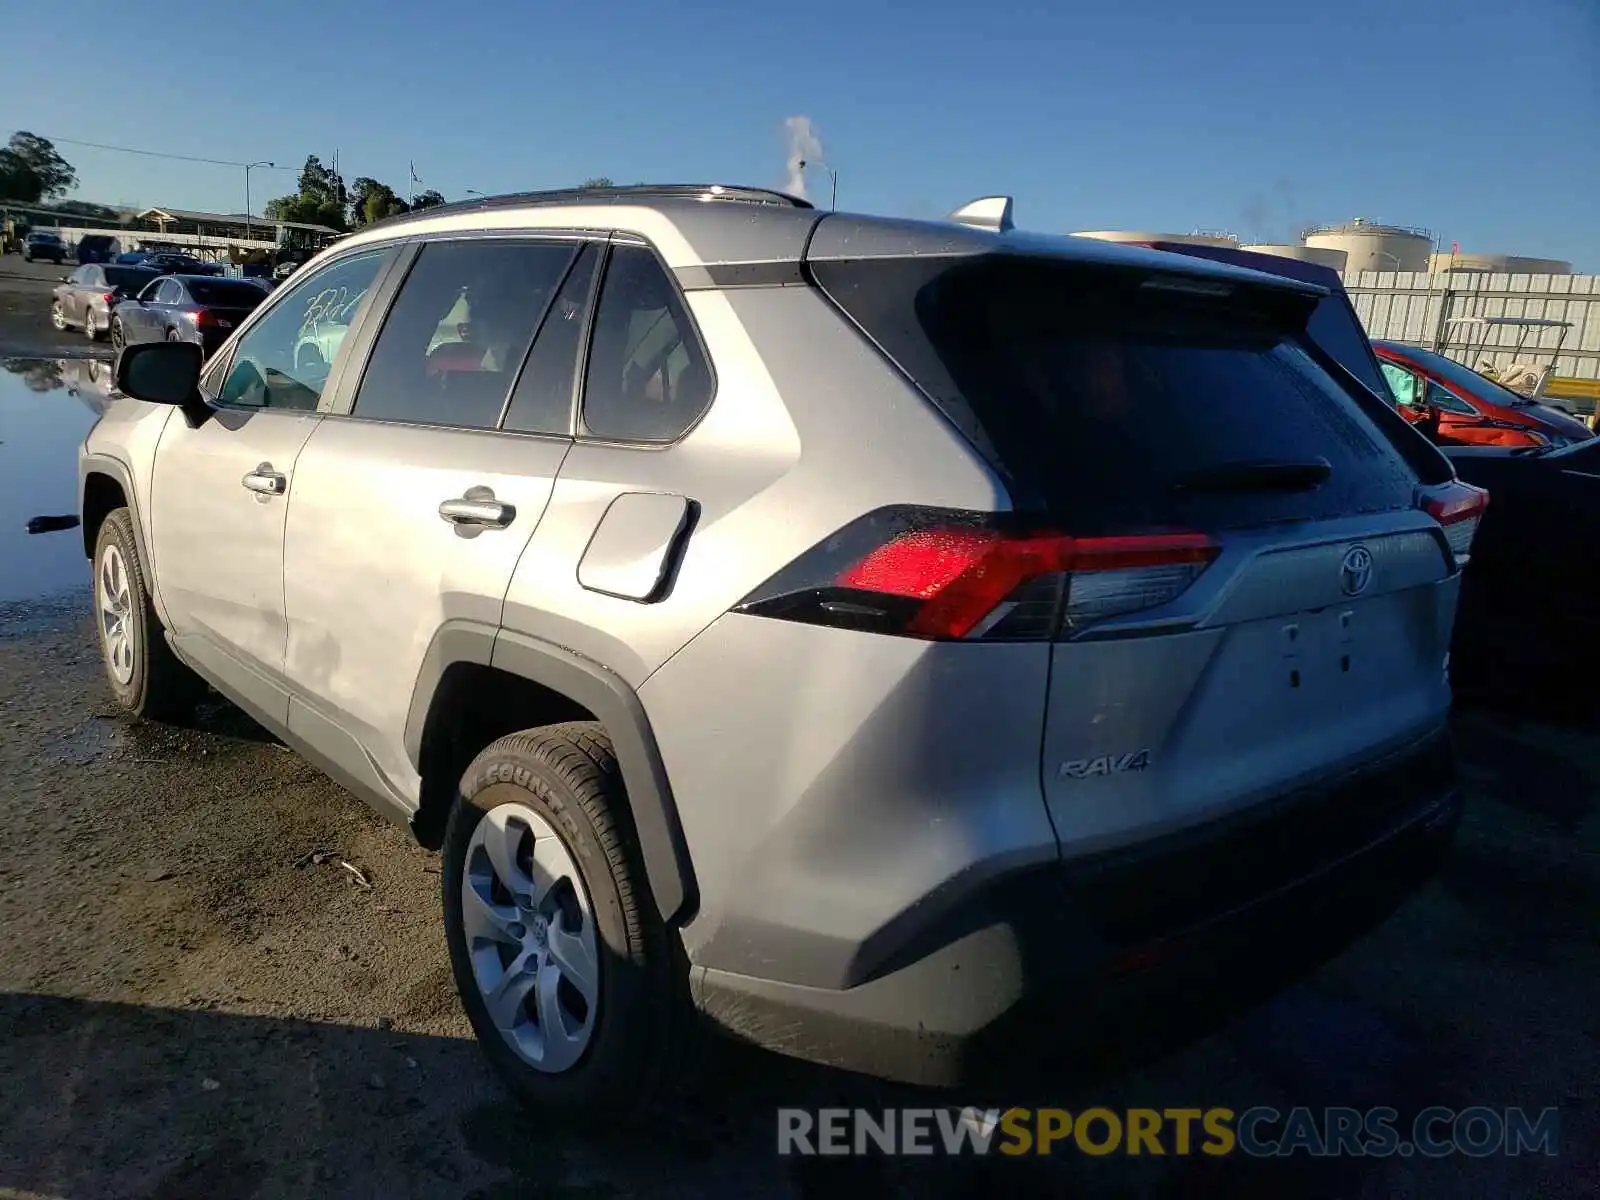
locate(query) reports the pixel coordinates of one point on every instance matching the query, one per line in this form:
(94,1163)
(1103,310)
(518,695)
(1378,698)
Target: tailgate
(1292,657)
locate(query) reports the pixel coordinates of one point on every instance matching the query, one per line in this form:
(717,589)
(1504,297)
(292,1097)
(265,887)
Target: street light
(833,177)
(248,167)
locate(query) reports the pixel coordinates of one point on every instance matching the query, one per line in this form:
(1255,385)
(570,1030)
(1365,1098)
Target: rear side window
(1117,406)
(542,401)
(130,279)
(225,294)
(459,329)
(648,379)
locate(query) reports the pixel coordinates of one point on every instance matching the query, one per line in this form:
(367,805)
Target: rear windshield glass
(128,278)
(1115,406)
(44,237)
(225,293)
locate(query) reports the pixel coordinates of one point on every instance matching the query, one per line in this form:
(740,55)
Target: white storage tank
(1369,246)
(1140,235)
(1500,264)
(1311,254)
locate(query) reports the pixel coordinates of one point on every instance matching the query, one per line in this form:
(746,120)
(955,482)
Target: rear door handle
(265,481)
(478,507)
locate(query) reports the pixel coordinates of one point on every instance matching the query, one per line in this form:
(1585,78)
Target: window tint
(1443,398)
(129,279)
(647,379)
(458,331)
(1111,404)
(285,359)
(542,402)
(226,293)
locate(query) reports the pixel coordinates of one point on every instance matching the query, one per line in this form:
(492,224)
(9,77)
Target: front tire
(119,337)
(58,319)
(573,987)
(145,677)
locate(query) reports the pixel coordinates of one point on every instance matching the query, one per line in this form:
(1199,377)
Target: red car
(1469,409)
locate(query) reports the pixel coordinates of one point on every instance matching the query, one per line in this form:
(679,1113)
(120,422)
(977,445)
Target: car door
(413,507)
(137,316)
(601,575)
(221,489)
(170,298)
(67,293)
(89,281)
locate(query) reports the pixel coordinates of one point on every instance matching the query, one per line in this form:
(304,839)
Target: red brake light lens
(926,574)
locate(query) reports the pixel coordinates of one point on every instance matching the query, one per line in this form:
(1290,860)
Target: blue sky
(1478,120)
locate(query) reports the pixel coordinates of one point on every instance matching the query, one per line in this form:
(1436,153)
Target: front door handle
(478,507)
(265,481)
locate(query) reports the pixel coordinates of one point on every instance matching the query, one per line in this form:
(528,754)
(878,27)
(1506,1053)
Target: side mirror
(66,279)
(164,373)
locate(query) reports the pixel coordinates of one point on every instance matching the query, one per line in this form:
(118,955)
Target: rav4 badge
(1104,764)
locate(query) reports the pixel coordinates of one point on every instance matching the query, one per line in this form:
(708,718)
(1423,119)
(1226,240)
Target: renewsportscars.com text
(1259,1132)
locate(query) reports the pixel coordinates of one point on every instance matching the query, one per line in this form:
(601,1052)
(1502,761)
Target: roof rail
(987,212)
(611,195)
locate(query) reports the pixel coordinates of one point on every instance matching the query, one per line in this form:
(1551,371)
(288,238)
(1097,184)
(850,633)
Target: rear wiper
(1262,475)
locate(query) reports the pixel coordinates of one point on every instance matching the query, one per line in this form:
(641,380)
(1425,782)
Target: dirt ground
(221,977)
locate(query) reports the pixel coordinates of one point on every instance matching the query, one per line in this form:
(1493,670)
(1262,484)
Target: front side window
(1402,383)
(284,360)
(1443,398)
(458,331)
(648,380)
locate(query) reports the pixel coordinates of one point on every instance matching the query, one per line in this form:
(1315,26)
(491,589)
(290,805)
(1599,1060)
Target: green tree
(31,169)
(427,199)
(372,201)
(599,181)
(321,199)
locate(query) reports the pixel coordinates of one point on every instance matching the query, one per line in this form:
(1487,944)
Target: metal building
(1369,246)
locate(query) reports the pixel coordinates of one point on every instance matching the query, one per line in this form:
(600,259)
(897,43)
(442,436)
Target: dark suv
(96,248)
(44,243)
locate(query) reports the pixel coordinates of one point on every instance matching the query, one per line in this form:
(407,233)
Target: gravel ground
(199,999)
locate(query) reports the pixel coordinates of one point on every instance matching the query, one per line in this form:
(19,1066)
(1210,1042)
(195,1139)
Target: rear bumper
(1047,949)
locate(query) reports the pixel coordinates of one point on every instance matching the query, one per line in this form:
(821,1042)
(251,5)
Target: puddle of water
(46,407)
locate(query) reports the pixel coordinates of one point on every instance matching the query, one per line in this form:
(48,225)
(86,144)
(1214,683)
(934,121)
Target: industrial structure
(1321,255)
(1497,264)
(1138,236)
(1369,246)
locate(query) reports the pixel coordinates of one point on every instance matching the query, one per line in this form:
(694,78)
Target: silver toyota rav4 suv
(862,632)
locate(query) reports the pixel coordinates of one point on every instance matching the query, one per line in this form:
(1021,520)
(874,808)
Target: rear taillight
(1458,507)
(110,298)
(204,318)
(946,575)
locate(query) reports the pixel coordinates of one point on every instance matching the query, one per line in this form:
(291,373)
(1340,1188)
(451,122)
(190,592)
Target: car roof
(698,226)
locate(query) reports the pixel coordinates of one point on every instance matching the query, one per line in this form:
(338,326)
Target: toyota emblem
(1355,572)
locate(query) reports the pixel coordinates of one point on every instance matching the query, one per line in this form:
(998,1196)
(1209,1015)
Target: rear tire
(145,677)
(118,337)
(91,326)
(559,789)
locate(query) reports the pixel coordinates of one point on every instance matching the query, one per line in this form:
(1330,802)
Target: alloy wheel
(114,597)
(530,934)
